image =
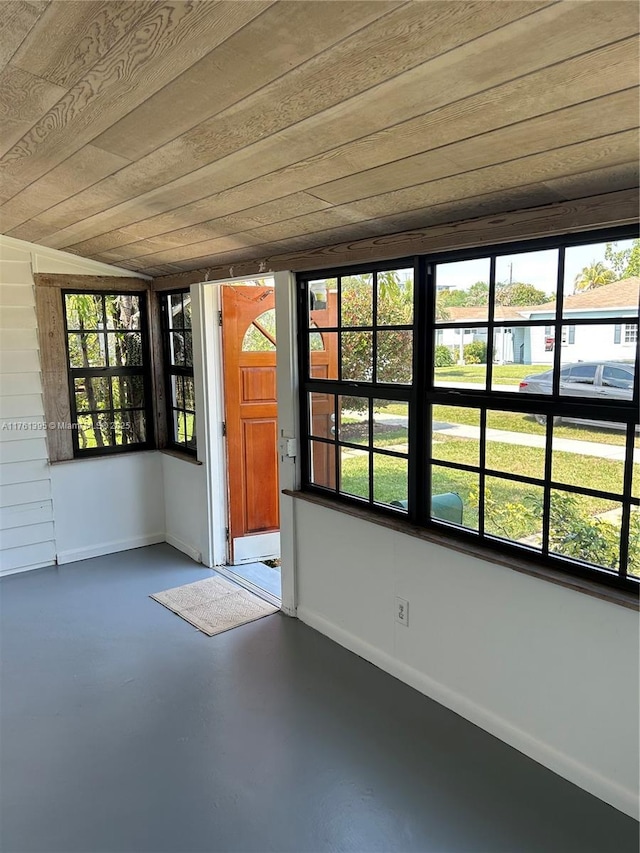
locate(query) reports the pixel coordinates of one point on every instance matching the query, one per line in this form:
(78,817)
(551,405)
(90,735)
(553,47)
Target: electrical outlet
(402,612)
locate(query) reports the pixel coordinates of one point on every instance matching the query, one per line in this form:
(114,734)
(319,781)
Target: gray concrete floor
(125,729)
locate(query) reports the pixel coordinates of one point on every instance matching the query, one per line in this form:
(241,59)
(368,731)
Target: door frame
(213,417)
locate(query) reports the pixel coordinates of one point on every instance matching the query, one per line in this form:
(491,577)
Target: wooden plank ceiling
(169,136)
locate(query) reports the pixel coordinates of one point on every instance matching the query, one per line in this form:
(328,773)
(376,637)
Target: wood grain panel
(74,174)
(460,73)
(23,99)
(157,370)
(620,148)
(71,37)
(258,384)
(90,282)
(18,19)
(615,113)
(355,67)
(53,358)
(297,204)
(537,135)
(552,89)
(259,445)
(168,40)
(602,211)
(237,262)
(208,87)
(262,130)
(607,150)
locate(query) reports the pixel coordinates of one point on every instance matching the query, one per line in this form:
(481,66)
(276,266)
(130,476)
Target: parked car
(609,380)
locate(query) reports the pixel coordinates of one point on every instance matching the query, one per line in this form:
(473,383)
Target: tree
(617,260)
(478,294)
(633,264)
(395,347)
(625,263)
(102,340)
(519,293)
(593,276)
(452,298)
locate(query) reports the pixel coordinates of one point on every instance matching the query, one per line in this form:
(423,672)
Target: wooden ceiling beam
(582,214)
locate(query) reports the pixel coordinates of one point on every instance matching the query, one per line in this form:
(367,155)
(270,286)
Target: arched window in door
(261,334)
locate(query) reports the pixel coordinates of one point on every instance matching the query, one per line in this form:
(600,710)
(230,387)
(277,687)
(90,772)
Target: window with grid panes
(515,444)
(178,360)
(109,376)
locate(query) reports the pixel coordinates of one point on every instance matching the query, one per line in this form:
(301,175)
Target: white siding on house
(28,535)
(26,509)
(589,343)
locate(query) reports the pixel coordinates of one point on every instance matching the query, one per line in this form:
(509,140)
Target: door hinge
(224,428)
(219,318)
(226,533)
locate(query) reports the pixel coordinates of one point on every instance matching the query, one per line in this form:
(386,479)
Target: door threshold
(227,572)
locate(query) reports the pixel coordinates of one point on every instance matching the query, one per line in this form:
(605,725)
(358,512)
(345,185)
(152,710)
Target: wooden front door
(251,416)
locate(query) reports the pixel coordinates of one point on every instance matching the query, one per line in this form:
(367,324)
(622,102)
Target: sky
(537,268)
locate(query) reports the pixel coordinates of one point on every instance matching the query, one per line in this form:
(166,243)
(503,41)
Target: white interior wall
(549,670)
(185,506)
(75,509)
(108,504)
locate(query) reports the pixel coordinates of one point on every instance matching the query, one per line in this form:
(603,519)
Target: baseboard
(579,774)
(182,546)
(76,554)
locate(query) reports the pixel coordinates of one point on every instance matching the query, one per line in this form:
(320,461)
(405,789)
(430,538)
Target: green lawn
(507,374)
(390,481)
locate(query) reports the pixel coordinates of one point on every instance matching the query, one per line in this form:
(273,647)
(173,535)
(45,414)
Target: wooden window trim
(53,352)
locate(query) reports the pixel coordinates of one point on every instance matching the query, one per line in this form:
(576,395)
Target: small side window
(617,377)
(582,374)
(178,356)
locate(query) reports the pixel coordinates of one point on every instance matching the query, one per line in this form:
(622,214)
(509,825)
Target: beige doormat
(214,605)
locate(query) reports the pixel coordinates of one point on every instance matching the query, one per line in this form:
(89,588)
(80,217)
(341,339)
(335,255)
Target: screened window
(439,396)
(109,380)
(178,359)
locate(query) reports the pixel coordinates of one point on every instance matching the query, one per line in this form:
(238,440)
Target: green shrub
(475,353)
(444,356)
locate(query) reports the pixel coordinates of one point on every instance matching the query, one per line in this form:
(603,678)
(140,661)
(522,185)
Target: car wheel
(542,420)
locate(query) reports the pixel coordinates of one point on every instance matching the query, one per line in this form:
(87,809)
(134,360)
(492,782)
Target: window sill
(528,567)
(97,457)
(185,457)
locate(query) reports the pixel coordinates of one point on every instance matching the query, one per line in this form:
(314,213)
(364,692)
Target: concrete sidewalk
(614,452)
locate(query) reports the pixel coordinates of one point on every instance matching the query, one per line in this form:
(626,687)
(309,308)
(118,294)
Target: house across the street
(535,344)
